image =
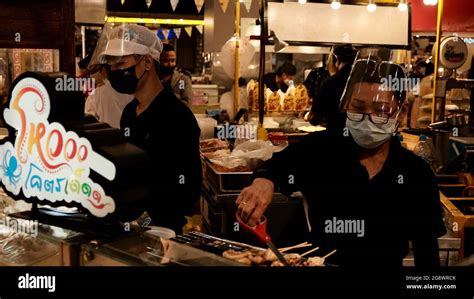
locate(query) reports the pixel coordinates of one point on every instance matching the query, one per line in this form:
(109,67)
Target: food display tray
(228,182)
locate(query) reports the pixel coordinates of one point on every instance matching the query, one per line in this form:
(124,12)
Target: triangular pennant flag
(177,32)
(171,34)
(200,28)
(165,33)
(189,30)
(247,4)
(199,4)
(224,4)
(148,3)
(174,3)
(159,33)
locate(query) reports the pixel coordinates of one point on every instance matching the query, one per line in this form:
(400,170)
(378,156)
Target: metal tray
(228,182)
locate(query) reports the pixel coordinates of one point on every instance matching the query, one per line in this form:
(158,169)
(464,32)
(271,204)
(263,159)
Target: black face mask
(125,81)
(166,71)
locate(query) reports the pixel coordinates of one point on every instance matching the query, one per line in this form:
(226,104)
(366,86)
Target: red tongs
(260,230)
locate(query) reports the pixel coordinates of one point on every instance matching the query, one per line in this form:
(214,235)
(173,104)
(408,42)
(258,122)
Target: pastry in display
(289,103)
(274,102)
(301,97)
(253,95)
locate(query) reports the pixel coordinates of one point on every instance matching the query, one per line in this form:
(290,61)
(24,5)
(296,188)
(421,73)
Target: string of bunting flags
(174,3)
(200,3)
(225,3)
(175,33)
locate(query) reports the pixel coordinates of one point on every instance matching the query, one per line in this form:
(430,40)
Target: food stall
(92,225)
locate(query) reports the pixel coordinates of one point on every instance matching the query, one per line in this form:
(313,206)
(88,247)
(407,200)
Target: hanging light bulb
(335,4)
(148,3)
(402,6)
(301,1)
(371,7)
(123,2)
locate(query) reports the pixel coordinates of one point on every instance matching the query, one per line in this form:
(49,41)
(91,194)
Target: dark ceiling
(185,7)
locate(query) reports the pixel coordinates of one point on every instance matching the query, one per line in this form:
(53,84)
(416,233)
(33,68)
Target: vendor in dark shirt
(368,197)
(325,109)
(157,122)
(281,79)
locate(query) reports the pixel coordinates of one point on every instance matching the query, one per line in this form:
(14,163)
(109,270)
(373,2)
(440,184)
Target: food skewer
(309,251)
(304,244)
(319,261)
(329,254)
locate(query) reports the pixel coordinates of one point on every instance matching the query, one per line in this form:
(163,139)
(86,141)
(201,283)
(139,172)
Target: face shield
(120,41)
(376,87)
(374,96)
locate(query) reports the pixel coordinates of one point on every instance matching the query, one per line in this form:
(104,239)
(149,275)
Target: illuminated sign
(469,40)
(453,52)
(46,161)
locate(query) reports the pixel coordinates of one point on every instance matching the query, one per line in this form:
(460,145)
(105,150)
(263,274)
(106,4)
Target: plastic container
(423,149)
(161,232)
(269,123)
(207,126)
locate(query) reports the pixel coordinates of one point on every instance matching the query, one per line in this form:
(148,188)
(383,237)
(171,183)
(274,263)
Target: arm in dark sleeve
(428,224)
(176,154)
(285,168)
(187,91)
(319,108)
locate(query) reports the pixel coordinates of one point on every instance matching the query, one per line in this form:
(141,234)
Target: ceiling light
(402,6)
(301,1)
(371,7)
(335,4)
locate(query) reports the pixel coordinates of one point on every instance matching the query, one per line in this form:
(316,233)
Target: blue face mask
(369,135)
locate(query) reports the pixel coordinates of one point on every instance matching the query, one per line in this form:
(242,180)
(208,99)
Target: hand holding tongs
(260,230)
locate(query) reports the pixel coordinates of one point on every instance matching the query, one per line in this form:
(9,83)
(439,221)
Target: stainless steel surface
(224,240)
(228,182)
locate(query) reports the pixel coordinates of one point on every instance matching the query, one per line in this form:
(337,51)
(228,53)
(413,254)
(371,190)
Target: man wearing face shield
(133,54)
(368,196)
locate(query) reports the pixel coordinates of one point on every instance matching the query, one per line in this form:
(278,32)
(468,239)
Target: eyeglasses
(374,117)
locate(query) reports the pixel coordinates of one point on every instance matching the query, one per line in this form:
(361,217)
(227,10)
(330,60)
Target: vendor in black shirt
(368,197)
(281,79)
(157,122)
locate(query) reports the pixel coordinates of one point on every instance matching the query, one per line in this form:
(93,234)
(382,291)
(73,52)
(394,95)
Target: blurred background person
(282,78)
(177,81)
(325,109)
